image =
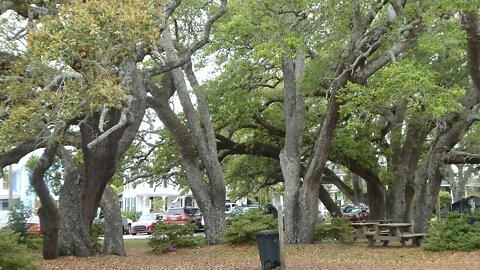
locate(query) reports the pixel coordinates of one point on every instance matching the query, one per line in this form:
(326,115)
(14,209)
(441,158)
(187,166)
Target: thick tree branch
(372,67)
(273,130)
(19,151)
(459,157)
(228,147)
(124,120)
(186,57)
(330,177)
(60,79)
(471,25)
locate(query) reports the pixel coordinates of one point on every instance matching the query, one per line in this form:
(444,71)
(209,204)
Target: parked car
(229,207)
(33,225)
(183,215)
(126,222)
(355,213)
(241,209)
(320,218)
(146,223)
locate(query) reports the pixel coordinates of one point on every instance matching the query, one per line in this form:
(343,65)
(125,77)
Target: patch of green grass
(136,243)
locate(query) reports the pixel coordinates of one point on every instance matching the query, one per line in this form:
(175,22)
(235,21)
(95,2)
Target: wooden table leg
(371,241)
(416,241)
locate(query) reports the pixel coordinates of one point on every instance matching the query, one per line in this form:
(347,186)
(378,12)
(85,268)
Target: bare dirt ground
(320,256)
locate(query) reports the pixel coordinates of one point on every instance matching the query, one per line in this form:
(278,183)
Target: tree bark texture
(294,103)
(406,151)
(113,233)
(376,200)
(357,184)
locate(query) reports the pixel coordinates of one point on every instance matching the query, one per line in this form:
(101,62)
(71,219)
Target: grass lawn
(319,256)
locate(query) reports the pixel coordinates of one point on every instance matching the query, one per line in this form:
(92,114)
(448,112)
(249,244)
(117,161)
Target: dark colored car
(146,223)
(183,215)
(355,213)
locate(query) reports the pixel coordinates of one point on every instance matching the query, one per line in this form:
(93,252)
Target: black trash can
(269,249)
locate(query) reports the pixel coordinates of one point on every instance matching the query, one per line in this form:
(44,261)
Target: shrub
(339,230)
(14,255)
(242,229)
(455,232)
(17,218)
(166,237)
(133,215)
(33,241)
(98,229)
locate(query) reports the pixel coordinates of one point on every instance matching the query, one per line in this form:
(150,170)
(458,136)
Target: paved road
(145,236)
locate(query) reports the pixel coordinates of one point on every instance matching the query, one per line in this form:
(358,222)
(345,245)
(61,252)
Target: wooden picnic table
(362,229)
(401,232)
(381,221)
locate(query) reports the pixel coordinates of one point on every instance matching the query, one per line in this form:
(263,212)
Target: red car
(33,225)
(184,215)
(355,213)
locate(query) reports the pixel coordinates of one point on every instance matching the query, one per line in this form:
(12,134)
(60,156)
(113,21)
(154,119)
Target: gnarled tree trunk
(48,211)
(113,233)
(84,185)
(81,193)
(196,141)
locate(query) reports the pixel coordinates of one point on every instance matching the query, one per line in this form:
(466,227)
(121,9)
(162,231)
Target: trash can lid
(267,232)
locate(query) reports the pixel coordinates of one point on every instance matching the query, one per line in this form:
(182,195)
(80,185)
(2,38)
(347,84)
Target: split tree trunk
(81,193)
(83,186)
(197,142)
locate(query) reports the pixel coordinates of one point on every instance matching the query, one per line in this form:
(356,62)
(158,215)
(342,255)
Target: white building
(143,197)
(20,190)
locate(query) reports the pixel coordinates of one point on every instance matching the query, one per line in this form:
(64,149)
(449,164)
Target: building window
(165,183)
(16,182)
(4,206)
(134,204)
(188,201)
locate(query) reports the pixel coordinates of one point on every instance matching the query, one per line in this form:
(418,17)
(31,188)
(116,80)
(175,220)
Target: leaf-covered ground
(321,256)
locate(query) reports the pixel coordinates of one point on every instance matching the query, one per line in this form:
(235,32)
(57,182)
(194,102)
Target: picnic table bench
(401,232)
